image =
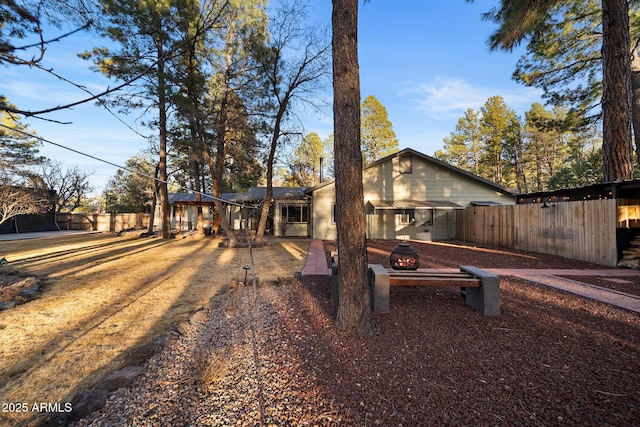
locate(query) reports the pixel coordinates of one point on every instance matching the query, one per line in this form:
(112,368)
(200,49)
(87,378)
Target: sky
(426,61)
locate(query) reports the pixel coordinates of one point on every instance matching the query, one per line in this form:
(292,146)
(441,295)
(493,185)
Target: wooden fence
(102,222)
(583,230)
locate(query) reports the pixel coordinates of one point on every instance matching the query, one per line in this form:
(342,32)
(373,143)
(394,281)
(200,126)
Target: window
(405,164)
(334,217)
(424,216)
(295,213)
(405,216)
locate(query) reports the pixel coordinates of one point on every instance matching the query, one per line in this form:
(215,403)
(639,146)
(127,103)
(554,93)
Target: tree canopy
(19,148)
(308,158)
(563,39)
(378,138)
(132,189)
(531,153)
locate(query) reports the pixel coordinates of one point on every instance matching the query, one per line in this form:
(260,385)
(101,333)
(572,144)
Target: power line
(153,178)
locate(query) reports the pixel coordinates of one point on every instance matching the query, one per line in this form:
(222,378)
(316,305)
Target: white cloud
(449,98)
(17,91)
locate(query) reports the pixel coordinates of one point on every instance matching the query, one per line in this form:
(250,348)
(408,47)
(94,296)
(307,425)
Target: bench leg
(379,285)
(486,298)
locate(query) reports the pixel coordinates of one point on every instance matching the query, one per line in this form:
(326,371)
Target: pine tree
(518,20)
(242,30)
(145,40)
(546,143)
(354,303)
(462,148)
(18,148)
(495,124)
(378,138)
(132,189)
(305,167)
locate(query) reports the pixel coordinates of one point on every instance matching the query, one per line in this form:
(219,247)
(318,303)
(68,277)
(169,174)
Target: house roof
(410,151)
(484,203)
(190,198)
(629,189)
(254,194)
(280,193)
(414,204)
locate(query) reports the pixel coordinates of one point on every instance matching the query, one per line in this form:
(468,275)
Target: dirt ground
(103,295)
(550,359)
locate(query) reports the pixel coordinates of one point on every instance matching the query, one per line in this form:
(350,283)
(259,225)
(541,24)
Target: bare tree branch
(15,200)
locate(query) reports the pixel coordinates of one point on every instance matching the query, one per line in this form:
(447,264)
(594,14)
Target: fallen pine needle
(607,393)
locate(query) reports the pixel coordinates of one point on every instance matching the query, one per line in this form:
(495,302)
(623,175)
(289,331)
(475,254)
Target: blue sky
(426,61)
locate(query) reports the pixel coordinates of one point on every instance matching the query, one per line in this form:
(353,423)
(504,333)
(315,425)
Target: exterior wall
(322,204)
(297,229)
(185,217)
(237,218)
(427,181)
(389,226)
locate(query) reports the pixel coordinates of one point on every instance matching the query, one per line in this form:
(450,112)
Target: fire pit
(404,257)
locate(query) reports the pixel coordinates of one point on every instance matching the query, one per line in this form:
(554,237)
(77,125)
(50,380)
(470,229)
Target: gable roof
(254,194)
(190,198)
(279,193)
(429,159)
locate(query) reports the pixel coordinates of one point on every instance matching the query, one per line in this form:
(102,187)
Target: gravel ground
(274,357)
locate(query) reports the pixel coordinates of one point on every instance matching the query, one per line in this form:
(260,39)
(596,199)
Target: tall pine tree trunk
(635,100)
(156,189)
(162,164)
(616,96)
(354,306)
(198,187)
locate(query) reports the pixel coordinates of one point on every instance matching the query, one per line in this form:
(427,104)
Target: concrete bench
(479,289)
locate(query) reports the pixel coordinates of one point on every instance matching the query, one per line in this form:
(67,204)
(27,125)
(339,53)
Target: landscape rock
(51,420)
(214,302)
(27,295)
(5,305)
(16,289)
(86,402)
(122,378)
(198,316)
(138,355)
(182,328)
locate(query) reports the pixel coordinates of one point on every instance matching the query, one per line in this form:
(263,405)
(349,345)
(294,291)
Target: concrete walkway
(41,234)
(316,265)
(550,278)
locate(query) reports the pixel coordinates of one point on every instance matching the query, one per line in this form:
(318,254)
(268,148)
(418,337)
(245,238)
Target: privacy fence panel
(583,230)
(102,222)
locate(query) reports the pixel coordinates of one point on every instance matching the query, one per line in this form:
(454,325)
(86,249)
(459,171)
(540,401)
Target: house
(290,210)
(408,195)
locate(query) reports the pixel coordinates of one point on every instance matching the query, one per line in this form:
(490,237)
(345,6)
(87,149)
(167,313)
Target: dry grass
(105,295)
